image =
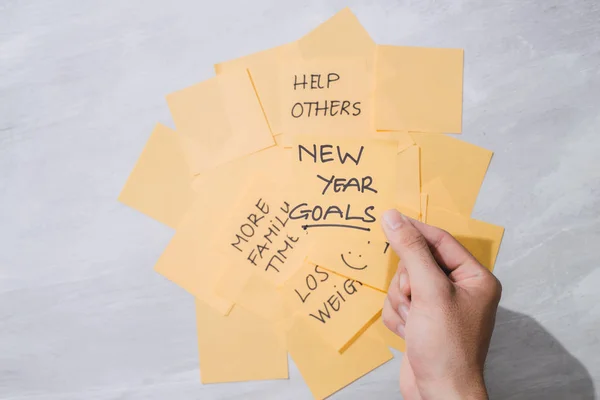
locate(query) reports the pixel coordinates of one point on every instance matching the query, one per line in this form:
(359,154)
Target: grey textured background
(82,83)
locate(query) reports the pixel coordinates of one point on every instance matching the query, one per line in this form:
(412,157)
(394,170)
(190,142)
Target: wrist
(470,389)
(460,388)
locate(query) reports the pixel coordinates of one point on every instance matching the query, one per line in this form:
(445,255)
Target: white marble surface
(82,83)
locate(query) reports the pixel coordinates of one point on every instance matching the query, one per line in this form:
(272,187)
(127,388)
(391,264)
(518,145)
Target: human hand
(443,302)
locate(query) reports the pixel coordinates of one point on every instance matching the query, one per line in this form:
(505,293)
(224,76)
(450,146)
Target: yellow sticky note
(238,347)
(255,293)
(189,259)
(325,96)
(390,338)
(263,67)
(482,239)
(405,141)
(279,140)
(343,184)
(325,370)
(341,36)
(272,164)
(258,238)
(261,236)
(258,234)
(418,89)
(439,196)
(160,183)
(408,182)
(219,120)
(369,261)
(339,309)
(460,166)
(414,214)
(404,138)
(424,205)
(183,260)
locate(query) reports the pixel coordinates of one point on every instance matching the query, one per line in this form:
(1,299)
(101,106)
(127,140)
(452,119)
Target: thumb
(426,277)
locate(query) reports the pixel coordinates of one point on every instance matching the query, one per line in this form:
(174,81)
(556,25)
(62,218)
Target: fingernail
(400,330)
(402,283)
(403,311)
(393,219)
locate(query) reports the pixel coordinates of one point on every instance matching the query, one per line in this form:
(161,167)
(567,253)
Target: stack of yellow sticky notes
(275,179)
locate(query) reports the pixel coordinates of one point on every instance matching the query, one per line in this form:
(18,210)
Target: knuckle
(497,288)
(444,237)
(492,286)
(393,290)
(414,242)
(441,240)
(393,298)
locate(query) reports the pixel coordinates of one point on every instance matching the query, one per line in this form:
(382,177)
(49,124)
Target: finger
(395,296)
(426,277)
(391,319)
(401,310)
(449,252)
(400,330)
(403,281)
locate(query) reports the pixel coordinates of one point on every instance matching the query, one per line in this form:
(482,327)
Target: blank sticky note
(459,165)
(219,120)
(324,369)
(414,214)
(183,260)
(273,164)
(482,239)
(418,89)
(238,347)
(404,138)
(408,182)
(263,68)
(341,36)
(255,293)
(440,196)
(424,205)
(160,183)
(339,309)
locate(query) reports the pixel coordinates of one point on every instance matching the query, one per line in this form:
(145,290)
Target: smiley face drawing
(349,265)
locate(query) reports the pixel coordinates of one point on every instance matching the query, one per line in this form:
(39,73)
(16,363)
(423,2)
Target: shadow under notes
(526,362)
